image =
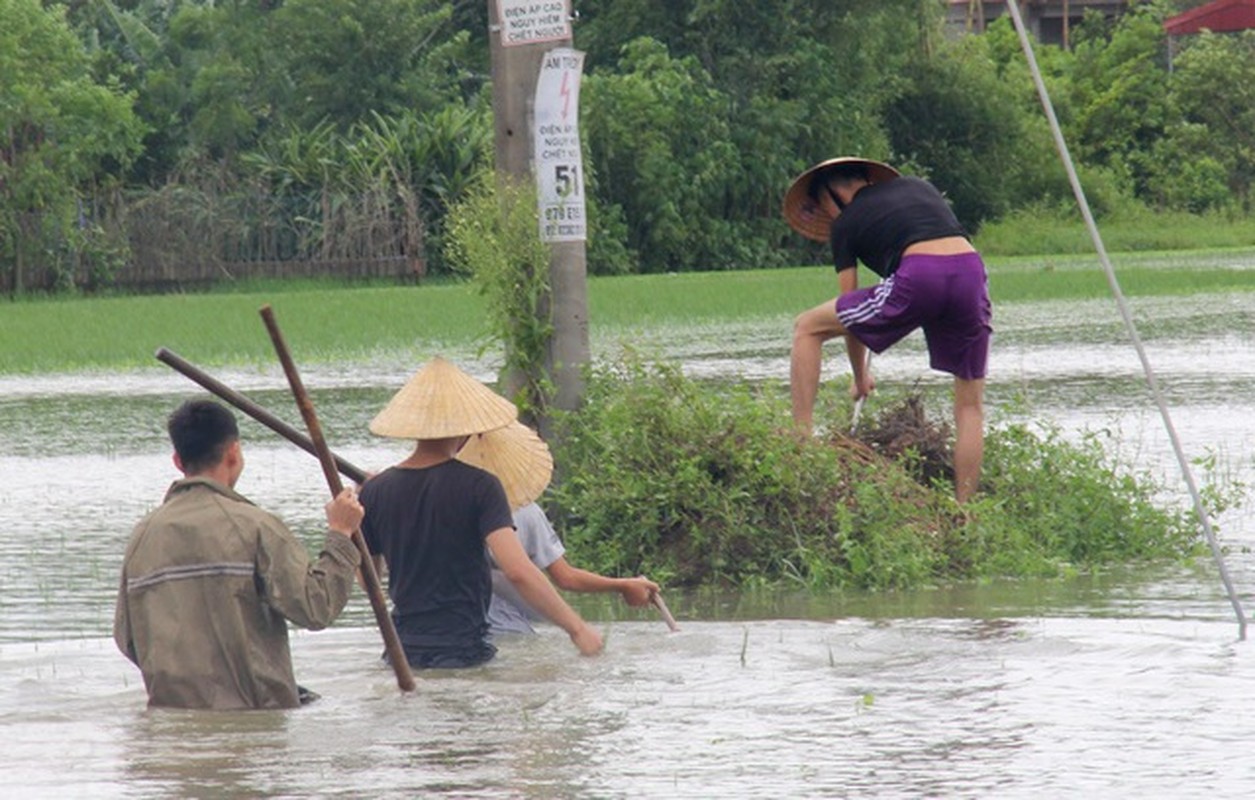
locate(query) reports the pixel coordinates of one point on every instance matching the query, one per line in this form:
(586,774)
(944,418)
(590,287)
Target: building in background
(1219,16)
(1049,21)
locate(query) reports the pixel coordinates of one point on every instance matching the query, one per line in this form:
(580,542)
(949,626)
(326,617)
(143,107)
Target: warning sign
(531,21)
(559,164)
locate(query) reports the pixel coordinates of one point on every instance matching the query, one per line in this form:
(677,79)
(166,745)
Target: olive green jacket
(207,582)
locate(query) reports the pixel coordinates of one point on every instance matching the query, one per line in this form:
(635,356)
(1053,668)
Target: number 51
(566,180)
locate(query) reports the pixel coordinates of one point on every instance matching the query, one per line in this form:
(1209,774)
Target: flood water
(1133,683)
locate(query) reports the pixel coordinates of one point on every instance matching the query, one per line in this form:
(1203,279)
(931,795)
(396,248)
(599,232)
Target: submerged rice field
(1123,684)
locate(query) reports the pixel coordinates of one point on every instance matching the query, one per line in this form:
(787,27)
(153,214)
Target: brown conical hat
(442,401)
(517,456)
(804,215)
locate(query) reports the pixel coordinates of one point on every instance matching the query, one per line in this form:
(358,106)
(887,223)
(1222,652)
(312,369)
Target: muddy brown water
(1128,684)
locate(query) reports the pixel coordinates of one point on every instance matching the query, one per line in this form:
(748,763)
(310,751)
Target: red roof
(1220,16)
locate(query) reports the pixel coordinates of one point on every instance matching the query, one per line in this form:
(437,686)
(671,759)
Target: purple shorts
(947,296)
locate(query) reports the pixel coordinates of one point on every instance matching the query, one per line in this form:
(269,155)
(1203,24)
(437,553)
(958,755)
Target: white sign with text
(557,159)
(532,21)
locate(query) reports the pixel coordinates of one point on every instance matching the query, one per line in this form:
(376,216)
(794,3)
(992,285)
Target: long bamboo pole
(370,578)
(254,410)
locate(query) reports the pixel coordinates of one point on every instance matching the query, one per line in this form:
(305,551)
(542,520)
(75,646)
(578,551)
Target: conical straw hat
(517,456)
(806,216)
(442,401)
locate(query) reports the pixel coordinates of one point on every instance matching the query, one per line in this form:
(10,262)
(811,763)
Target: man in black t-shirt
(903,230)
(430,518)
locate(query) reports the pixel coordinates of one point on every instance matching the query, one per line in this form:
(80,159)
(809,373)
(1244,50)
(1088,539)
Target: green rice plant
(331,322)
(213,329)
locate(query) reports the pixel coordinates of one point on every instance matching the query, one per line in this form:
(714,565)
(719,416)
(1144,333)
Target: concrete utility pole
(515,69)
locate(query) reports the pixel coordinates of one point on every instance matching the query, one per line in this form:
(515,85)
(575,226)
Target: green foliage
(340,129)
(646,131)
(699,113)
(1213,86)
(961,122)
(346,60)
(1119,91)
(214,79)
(60,132)
(494,237)
(1050,501)
(707,485)
(384,178)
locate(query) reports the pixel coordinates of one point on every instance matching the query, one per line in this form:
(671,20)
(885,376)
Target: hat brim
(440,402)
(517,456)
(806,216)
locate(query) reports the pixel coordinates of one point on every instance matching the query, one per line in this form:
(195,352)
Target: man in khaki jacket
(209,579)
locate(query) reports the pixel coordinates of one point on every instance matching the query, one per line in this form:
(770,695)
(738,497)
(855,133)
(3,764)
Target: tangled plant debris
(905,434)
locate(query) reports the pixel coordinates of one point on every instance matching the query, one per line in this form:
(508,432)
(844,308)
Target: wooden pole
(370,578)
(254,410)
(515,72)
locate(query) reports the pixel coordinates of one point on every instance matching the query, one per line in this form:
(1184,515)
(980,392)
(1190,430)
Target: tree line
(165,133)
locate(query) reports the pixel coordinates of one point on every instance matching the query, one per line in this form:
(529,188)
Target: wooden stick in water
(392,642)
(661,605)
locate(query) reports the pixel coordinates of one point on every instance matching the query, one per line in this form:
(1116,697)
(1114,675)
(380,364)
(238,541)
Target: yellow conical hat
(442,401)
(517,456)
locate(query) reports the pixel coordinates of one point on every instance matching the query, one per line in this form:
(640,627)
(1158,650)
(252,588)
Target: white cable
(1014,8)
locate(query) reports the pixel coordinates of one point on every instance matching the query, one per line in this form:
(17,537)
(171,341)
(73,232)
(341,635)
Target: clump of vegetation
(493,237)
(704,484)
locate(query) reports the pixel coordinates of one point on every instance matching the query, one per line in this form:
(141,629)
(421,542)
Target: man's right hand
(860,389)
(344,513)
(587,640)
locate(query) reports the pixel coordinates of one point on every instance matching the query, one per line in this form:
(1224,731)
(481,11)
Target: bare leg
(810,330)
(969,439)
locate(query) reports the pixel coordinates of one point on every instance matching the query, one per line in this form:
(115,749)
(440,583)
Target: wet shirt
(430,524)
(884,219)
(209,581)
(509,612)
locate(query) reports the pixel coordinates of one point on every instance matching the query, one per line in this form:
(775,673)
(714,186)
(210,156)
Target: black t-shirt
(430,525)
(884,219)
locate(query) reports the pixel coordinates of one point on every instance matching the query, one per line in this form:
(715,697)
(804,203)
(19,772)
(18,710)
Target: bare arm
(539,593)
(635,591)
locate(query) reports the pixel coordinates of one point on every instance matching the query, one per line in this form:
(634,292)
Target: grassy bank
(695,484)
(76,333)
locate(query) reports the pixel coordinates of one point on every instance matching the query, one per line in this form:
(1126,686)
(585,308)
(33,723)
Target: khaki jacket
(207,583)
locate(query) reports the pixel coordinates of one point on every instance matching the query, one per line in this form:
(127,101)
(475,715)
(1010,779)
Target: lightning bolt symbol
(565,91)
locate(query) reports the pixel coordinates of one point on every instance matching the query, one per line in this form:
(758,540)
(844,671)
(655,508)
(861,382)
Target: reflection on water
(1115,685)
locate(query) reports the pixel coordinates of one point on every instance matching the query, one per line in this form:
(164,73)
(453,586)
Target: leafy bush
(1049,502)
(706,484)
